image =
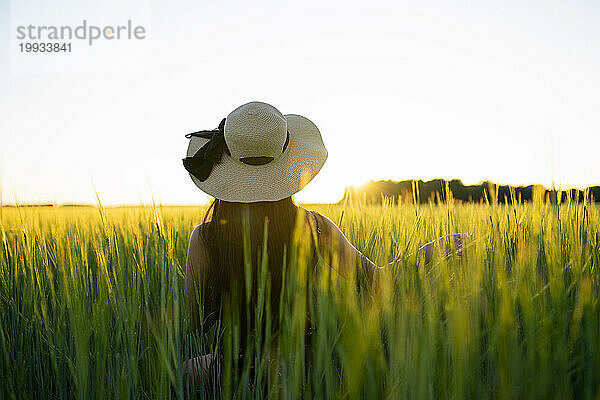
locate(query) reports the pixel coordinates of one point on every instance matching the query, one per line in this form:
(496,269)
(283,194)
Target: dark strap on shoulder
(316,218)
(311,215)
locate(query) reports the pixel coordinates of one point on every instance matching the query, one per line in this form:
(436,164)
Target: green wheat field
(93,305)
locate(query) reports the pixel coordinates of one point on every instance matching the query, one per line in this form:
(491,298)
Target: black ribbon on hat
(202,162)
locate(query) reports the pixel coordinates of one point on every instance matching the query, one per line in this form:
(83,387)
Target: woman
(252,164)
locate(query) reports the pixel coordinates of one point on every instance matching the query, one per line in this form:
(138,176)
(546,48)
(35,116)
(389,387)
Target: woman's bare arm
(197,259)
(344,257)
(339,253)
(192,274)
(445,244)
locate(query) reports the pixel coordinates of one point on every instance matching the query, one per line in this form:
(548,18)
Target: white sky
(399,90)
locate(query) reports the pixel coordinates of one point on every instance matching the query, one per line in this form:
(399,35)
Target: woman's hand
(447,244)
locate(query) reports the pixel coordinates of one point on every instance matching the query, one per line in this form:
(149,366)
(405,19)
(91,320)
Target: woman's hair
(227,225)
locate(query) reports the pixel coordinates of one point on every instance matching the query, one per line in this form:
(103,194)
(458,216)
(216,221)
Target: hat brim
(234,181)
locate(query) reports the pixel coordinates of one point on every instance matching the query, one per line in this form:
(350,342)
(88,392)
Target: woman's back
(225,257)
(237,258)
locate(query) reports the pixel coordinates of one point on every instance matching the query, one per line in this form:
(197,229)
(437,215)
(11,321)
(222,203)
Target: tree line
(440,190)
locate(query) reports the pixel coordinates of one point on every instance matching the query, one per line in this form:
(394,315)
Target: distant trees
(439,190)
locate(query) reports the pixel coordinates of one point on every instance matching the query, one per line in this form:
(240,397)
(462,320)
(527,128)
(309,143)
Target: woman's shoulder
(198,232)
(323,225)
(196,237)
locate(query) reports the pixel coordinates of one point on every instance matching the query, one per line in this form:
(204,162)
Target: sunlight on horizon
(506,93)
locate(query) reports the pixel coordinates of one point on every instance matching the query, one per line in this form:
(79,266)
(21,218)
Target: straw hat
(256,154)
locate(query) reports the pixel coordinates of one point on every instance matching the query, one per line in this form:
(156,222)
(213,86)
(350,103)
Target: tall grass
(93,305)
